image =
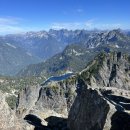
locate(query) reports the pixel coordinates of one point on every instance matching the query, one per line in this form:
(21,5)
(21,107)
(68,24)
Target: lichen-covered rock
(52,99)
(109,70)
(103,96)
(99,109)
(89,111)
(103,100)
(8,120)
(27,99)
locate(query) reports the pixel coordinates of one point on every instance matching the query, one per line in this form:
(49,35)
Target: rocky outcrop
(52,99)
(8,120)
(26,100)
(108,70)
(100,109)
(89,111)
(103,100)
(57,96)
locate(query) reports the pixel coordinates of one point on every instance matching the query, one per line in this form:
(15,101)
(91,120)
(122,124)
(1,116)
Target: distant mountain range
(33,47)
(13,58)
(45,44)
(59,50)
(76,56)
(95,85)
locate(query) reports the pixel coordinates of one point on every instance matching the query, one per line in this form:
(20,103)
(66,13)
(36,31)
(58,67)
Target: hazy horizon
(27,15)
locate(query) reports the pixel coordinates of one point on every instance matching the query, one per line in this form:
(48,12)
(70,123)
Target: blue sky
(32,15)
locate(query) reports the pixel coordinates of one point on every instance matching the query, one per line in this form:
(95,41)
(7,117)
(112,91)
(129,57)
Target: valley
(87,78)
(64,65)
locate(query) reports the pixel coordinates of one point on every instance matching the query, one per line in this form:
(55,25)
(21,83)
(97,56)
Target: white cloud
(79,10)
(6,29)
(110,26)
(9,20)
(68,25)
(88,24)
(73,25)
(10,25)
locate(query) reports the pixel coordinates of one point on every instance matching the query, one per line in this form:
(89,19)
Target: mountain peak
(108,70)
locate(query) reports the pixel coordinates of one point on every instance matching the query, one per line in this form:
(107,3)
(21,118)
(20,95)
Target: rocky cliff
(103,100)
(98,98)
(8,119)
(26,99)
(76,56)
(51,99)
(108,70)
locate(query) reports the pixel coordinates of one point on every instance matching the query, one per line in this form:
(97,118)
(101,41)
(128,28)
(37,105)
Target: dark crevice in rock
(113,72)
(121,102)
(57,123)
(119,54)
(34,120)
(89,111)
(120,121)
(118,98)
(54,123)
(39,93)
(108,63)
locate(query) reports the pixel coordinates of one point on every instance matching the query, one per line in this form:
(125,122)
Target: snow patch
(11,45)
(45,35)
(74,52)
(91,46)
(117,46)
(28,53)
(1,80)
(40,34)
(98,44)
(61,58)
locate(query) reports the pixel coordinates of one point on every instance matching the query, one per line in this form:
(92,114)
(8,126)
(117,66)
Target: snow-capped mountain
(13,58)
(76,56)
(45,45)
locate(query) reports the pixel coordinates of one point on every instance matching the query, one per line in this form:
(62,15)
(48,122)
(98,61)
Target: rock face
(100,109)
(14,58)
(109,70)
(103,100)
(26,100)
(57,96)
(52,99)
(8,120)
(76,56)
(89,111)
